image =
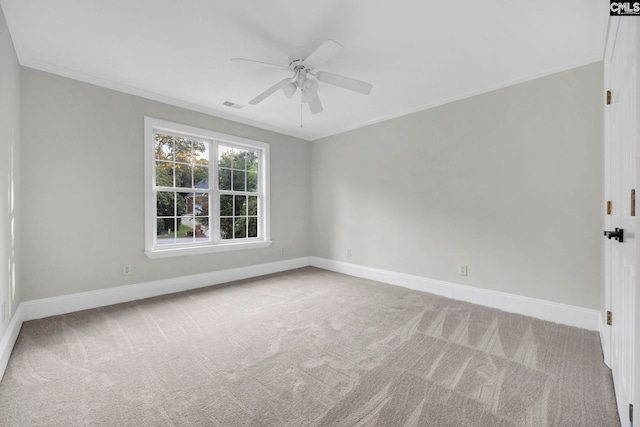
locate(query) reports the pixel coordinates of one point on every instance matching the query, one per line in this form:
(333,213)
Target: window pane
(238,180)
(201,204)
(164,147)
(201,216)
(240,228)
(253,205)
(239,159)
(240,206)
(226,205)
(201,177)
(224,179)
(183,149)
(164,174)
(252,181)
(184,175)
(181,203)
(165,203)
(201,232)
(184,232)
(201,153)
(165,231)
(253,227)
(226,228)
(201,228)
(252,161)
(225,156)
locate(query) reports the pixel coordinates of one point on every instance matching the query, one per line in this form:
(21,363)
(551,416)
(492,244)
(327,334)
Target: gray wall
(508,182)
(83,190)
(9,182)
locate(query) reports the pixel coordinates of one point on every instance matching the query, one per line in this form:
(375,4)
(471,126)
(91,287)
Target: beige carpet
(304,348)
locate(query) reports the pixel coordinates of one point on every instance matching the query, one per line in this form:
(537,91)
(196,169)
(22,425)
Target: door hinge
(609,207)
(608,97)
(630,412)
(633,202)
(609,318)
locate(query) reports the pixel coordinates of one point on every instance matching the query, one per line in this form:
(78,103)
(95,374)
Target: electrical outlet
(126,269)
(462,269)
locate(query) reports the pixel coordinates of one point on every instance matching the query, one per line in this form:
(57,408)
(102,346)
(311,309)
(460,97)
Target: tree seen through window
(183,192)
(238,186)
(182,178)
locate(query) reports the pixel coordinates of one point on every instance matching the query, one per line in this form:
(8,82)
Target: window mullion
(214,213)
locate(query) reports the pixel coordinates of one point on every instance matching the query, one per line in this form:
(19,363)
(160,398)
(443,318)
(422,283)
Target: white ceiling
(417,53)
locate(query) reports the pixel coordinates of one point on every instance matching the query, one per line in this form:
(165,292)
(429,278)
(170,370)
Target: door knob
(618,234)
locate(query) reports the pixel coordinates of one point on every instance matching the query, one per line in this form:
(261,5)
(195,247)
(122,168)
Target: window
(205,191)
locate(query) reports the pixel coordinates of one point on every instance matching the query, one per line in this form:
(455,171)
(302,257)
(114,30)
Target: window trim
(152,125)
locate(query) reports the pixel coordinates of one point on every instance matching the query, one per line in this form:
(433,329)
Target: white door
(622,60)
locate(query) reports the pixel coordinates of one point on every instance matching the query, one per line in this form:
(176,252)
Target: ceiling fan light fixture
(289,89)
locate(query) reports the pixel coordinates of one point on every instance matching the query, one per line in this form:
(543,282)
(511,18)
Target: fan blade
(258,99)
(309,90)
(326,51)
(268,64)
(344,82)
(315,105)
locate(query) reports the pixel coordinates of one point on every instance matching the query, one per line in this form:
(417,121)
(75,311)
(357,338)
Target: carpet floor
(306,347)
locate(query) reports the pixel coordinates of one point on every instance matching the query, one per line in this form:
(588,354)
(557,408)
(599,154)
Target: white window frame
(215,244)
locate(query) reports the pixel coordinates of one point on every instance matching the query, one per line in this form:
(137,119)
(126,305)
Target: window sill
(173,252)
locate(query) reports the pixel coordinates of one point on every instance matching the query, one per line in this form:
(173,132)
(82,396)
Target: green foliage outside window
(238,172)
(183,163)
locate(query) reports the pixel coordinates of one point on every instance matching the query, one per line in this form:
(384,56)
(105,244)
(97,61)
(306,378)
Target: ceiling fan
(306,79)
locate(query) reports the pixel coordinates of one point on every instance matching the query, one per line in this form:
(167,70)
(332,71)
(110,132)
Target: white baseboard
(546,310)
(37,309)
(46,307)
(9,338)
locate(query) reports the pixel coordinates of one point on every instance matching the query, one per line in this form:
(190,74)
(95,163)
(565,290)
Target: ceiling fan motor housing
(297,65)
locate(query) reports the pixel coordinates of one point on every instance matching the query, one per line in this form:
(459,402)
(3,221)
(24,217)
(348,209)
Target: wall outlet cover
(462,269)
